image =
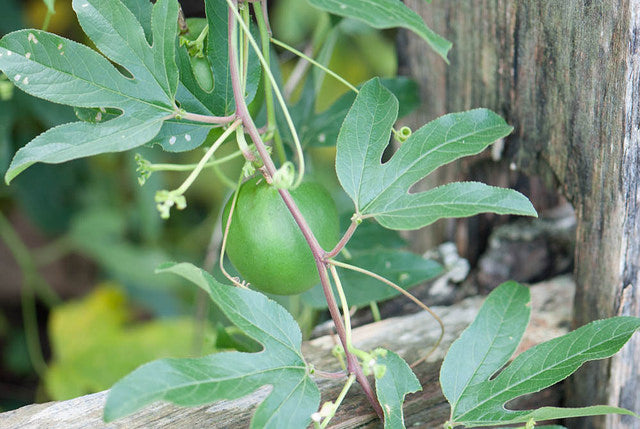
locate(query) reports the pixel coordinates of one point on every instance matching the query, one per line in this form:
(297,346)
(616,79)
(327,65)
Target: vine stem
(405,293)
(276,90)
(343,302)
(338,401)
(223,245)
(315,63)
(353,366)
(265,31)
(196,171)
(190,167)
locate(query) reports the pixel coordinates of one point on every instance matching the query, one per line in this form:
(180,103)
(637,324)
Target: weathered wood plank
(566,74)
(410,336)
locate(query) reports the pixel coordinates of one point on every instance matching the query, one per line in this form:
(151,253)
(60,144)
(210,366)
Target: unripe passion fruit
(265,243)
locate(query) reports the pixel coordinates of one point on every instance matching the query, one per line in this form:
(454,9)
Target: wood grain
(410,336)
(566,75)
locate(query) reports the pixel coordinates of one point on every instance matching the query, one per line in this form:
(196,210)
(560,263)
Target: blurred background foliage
(80,305)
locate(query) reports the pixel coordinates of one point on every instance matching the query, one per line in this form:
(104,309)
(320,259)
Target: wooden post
(566,74)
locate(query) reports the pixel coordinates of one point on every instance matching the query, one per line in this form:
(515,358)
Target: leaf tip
(163,267)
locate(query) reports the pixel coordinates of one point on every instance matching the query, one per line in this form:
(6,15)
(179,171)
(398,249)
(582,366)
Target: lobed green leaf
(478,400)
(488,343)
(382,190)
(190,382)
(57,69)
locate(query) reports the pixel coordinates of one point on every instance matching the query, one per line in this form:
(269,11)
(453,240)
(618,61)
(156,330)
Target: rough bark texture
(566,74)
(410,336)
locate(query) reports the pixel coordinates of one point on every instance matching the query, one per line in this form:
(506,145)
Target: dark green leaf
(190,382)
(477,399)
(398,380)
(179,135)
(404,268)
(382,190)
(386,14)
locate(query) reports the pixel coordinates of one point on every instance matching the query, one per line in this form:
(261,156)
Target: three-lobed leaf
(386,14)
(382,190)
(231,375)
(57,69)
(486,345)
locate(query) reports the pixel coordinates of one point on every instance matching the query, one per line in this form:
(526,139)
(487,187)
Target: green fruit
(266,245)
(202,72)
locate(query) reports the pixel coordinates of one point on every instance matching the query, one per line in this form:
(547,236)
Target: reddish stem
(343,241)
(242,112)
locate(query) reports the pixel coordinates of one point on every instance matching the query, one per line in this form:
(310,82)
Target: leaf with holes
(189,382)
(382,190)
(478,396)
(57,69)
